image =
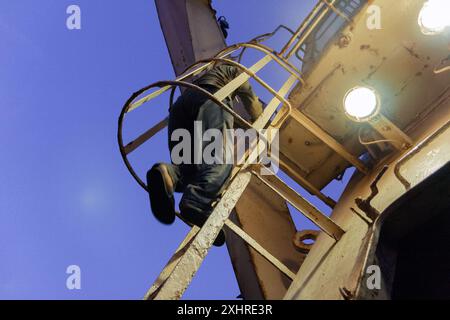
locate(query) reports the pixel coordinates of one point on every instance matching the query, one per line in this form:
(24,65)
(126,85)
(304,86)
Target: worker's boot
(160,188)
(195,217)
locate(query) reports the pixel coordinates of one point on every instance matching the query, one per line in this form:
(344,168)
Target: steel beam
(260,249)
(307,209)
(328,140)
(391,132)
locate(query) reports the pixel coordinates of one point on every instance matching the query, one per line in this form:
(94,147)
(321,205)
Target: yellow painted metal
(255,245)
(133,145)
(284,63)
(330,262)
(397,60)
(337,11)
(303,182)
(219,95)
(306,208)
(242,78)
(182,274)
(308,25)
(278,95)
(147,98)
(330,265)
(329,140)
(274,103)
(305,24)
(170,266)
(189,73)
(264,216)
(309,29)
(390,132)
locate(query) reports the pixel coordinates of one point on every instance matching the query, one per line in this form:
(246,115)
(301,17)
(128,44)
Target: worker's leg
(208,180)
(205,182)
(181,117)
(164,179)
(201,183)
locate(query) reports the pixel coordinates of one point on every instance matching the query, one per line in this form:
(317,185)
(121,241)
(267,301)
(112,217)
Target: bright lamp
(434,16)
(361,103)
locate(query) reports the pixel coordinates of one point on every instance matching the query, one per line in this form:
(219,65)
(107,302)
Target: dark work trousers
(201,184)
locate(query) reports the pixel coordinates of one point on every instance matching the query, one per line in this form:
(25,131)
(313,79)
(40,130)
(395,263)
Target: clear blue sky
(65,195)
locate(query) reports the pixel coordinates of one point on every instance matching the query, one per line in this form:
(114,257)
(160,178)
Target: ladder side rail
(165,273)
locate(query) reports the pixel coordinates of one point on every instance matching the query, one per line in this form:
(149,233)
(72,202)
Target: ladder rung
(307,209)
(133,145)
(260,249)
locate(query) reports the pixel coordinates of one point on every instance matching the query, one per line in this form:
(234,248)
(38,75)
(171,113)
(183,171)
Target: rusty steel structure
(402,159)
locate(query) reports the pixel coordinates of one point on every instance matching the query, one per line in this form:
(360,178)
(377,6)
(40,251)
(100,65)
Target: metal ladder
(181,268)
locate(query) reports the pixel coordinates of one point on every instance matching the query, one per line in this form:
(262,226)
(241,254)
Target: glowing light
(434,16)
(361,103)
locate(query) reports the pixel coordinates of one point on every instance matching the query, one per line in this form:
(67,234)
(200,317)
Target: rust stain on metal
(301,236)
(344,41)
(368,47)
(412,52)
(364,204)
(375,68)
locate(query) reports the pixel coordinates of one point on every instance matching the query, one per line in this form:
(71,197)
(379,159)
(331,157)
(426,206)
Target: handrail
(308,20)
(309,29)
(289,67)
(263,37)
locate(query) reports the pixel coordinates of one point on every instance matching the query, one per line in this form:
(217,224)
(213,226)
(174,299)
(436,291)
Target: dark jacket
(220,75)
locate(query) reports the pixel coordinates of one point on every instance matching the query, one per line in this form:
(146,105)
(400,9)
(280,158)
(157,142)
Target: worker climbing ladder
(181,268)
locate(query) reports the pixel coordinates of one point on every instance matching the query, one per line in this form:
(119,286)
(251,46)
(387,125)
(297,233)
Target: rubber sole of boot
(162,204)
